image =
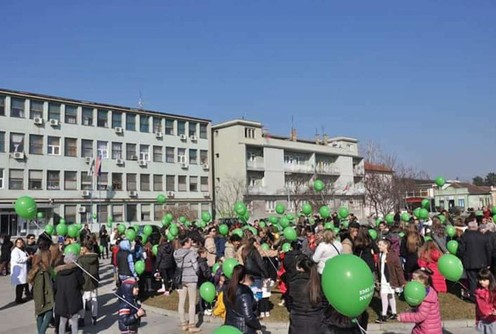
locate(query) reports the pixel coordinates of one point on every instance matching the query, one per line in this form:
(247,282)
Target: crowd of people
(64,284)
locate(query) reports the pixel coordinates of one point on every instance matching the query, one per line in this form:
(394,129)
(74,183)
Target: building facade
(87,161)
(264,170)
(462,196)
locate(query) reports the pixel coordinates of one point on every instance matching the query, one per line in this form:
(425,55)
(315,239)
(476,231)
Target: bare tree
(180,210)
(229,191)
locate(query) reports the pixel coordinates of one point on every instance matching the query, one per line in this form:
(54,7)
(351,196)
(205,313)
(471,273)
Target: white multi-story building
(264,170)
(48,145)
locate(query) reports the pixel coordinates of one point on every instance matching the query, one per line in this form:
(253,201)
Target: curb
(448,324)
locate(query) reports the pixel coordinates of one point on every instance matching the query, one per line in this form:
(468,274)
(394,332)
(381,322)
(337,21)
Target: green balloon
(284,222)
(240,208)
(206,217)
(74,249)
(223,229)
(336,230)
(426,204)
(62,221)
(416,212)
(215,267)
(290,217)
(130,234)
(307,209)
(95,216)
(442,218)
(273,219)
(423,214)
(121,228)
(161,199)
(40,215)
(61,230)
(49,229)
(318,186)
(414,293)
(73,231)
(155,250)
(324,211)
(203,225)
(290,234)
(170,237)
(280,208)
(389,218)
(348,284)
(262,224)
(228,267)
(378,221)
(207,292)
(238,231)
(265,247)
(450,231)
(343,212)
(401,234)
(25,207)
(173,229)
(373,234)
(101,249)
(109,225)
(344,224)
(182,219)
(493,210)
(328,226)
(450,267)
(405,217)
(452,246)
(147,230)
(286,247)
(440,181)
(144,238)
(110,219)
(427,238)
(79,226)
(226,329)
(139,267)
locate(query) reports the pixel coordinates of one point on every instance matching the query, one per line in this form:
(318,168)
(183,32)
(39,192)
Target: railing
(255,164)
(330,170)
(298,168)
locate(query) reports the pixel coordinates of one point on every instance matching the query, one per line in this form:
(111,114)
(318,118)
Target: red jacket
(438,281)
(484,305)
(427,317)
(115,250)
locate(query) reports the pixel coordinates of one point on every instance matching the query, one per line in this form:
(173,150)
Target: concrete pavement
(19,319)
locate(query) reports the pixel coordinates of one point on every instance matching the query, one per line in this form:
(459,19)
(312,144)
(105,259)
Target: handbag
(177,281)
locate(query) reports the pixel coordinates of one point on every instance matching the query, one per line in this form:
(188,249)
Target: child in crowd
(427,316)
(485,313)
(219,307)
(264,302)
(91,265)
(204,275)
(130,312)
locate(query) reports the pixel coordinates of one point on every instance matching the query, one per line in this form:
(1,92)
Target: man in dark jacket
(474,250)
(165,265)
(130,312)
(90,263)
(125,261)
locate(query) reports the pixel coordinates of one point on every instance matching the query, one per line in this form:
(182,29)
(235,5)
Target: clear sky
(417,77)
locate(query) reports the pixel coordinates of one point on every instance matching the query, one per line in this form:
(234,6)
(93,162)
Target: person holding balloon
(130,311)
(427,316)
(485,313)
(429,255)
(327,248)
(90,263)
(125,261)
(165,264)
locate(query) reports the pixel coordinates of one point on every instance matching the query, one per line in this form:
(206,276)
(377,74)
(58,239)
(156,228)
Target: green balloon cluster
(73,231)
(414,293)
(442,218)
(173,229)
(284,222)
(328,226)
(273,219)
(265,247)
(239,232)
(416,212)
(215,267)
(25,207)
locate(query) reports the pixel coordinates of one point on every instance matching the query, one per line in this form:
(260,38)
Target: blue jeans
(43,320)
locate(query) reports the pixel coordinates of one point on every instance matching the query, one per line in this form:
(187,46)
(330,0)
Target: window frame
(39,148)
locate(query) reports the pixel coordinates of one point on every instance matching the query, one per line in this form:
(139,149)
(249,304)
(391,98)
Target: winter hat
(70,258)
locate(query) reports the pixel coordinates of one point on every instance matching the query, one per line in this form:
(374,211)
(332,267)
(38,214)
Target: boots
(381,319)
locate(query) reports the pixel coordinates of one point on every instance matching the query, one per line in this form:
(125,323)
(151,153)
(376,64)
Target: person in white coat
(327,248)
(19,269)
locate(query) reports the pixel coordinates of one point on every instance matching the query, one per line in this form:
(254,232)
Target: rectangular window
(117,213)
(249,133)
(145,152)
(193,183)
(157,124)
(116,150)
(461,203)
(53,180)
(17,107)
(204,184)
(131,182)
(54,111)
(193,158)
(181,182)
(203,131)
(102,213)
(193,208)
(88,116)
(2,141)
(86,181)
(144,123)
(16,180)
(181,155)
(35,144)
(131,122)
(145,212)
(131,212)
(1,177)
(36,109)
(203,157)
(170,183)
(70,149)
(53,147)
(131,152)
(116,119)
(86,217)
(86,148)
(157,182)
(70,114)
(16,142)
(117,181)
(158,211)
(192,129)
(70,213)
(181,128)
(169,127)
(70,180)
(270,206)
(35,178)
(102,148)
(157,154)
(102,120)
(102,181)
(145,182)
(2,105)
(169,154)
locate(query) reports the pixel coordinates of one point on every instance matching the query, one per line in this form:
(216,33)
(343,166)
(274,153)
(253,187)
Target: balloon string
(266,253)
(362,330)
(463,286)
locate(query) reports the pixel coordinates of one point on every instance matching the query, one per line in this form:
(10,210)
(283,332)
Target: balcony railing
(255,164)
(296,168)
(329,170)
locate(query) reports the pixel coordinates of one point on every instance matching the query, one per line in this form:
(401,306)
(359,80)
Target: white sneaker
(262,314)
(267,314)
(161,290)
(208,312)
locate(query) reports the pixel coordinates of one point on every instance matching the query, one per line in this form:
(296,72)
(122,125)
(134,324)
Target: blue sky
(417,77)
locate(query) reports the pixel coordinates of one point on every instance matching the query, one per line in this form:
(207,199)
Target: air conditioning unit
(171,194)
(133,193)
(54,122)
(184,165)
(38,121)
(120,162)
(86,193)
(18,155)
(159,135)
(119,130)
(183,137)
(205,166)
(82,209)
(193,138)
(87,160)
(142,163)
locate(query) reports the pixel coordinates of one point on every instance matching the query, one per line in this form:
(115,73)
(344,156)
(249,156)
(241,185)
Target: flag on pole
(91,167)
(98,166)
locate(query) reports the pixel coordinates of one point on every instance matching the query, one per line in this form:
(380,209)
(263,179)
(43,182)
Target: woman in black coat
(305,301)
(69,282)
(240,303)
(165,265)
(254,264)
(365,247)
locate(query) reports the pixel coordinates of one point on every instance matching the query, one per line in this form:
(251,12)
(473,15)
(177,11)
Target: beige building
(264,170)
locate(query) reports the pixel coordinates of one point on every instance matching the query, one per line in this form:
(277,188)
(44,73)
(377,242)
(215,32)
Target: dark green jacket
(91,264)
(42,292)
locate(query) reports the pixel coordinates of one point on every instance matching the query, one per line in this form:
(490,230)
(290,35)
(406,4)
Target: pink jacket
(427,317)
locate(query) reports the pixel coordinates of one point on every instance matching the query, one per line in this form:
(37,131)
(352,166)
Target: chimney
(293,136)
